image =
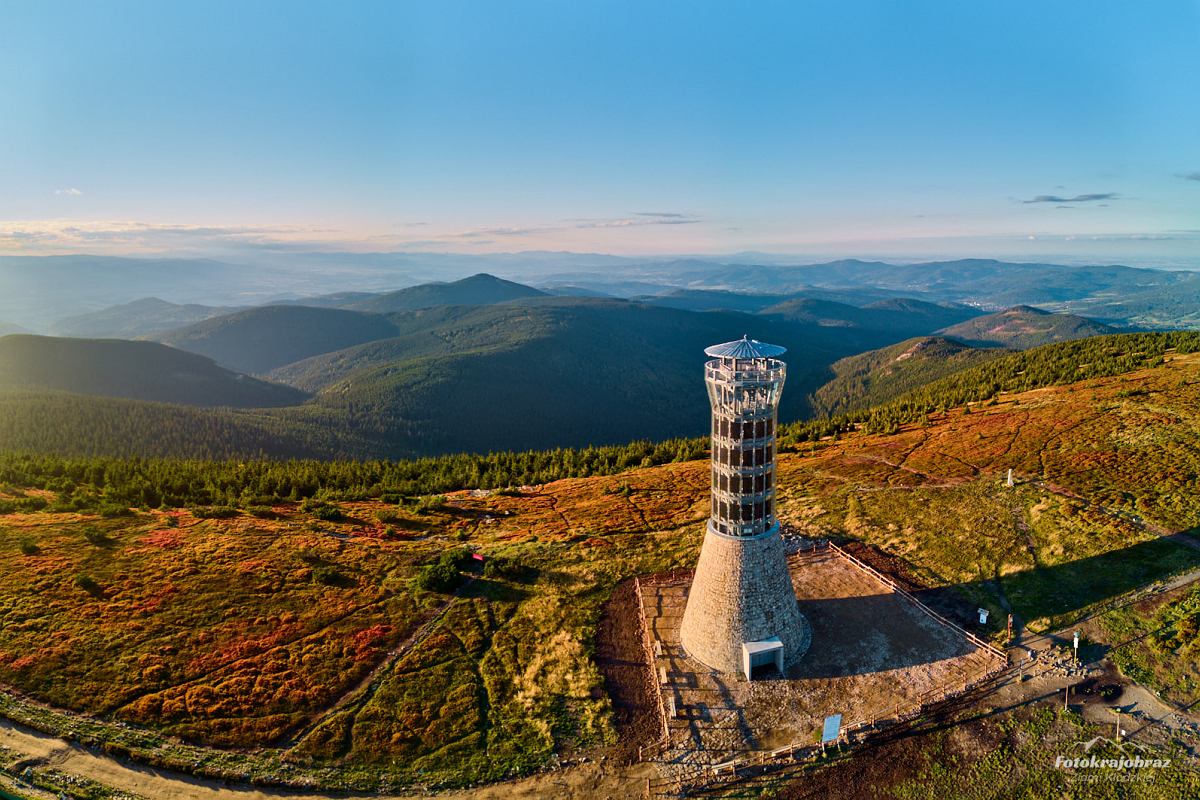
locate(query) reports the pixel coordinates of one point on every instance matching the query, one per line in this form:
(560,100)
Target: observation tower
(741,609)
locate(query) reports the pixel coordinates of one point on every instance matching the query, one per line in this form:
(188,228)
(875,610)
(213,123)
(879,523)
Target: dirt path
(598,780)
(362,690)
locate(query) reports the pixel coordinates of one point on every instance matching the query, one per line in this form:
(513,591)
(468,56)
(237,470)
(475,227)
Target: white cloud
(70,192)
(131,237)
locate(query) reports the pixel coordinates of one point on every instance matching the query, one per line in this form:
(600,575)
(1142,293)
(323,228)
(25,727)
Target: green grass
(1158,644)
(1021,766)
(243,629)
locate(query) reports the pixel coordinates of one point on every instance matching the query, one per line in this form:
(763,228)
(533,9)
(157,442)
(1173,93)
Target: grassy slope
(1125,442)
(135,370)
(1157,642)
(878,376)
(1009,756)
(506,679)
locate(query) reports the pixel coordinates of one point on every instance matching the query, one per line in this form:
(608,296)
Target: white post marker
(983,615)
(1076,647)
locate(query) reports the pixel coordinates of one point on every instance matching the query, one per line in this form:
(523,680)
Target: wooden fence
(760,761)
(895,587)
(656,748)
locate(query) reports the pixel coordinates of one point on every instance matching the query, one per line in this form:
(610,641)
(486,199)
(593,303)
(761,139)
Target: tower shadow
(880,630)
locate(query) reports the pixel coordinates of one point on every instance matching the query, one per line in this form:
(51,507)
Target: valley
(480,364)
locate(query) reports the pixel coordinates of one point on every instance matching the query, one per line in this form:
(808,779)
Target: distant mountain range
(900,317)
(36,292)
(485,364)
(137,319)
(481,289)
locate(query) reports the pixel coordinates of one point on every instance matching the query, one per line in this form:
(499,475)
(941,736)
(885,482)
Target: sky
(876,129)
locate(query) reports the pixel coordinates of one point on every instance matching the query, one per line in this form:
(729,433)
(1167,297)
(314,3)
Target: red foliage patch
(244,648)
(151,603)
(167,539)
(369,642)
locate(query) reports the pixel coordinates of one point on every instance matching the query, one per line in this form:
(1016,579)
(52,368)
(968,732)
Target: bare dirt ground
(875,655)
(943,599)
(621,656)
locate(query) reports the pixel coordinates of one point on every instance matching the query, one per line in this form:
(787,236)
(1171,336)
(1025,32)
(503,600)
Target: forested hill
(137,370)
(902,316)
(477,290)
(543,373)
(1022,327)
(251,482)
(82,426)
(878,376)
(260,339)
(1049,365)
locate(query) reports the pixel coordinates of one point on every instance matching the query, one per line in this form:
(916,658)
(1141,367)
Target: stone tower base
(742,593)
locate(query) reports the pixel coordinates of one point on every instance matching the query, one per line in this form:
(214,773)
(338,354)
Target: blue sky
(849,128)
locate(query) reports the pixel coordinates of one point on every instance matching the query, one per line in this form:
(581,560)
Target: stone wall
(742,592)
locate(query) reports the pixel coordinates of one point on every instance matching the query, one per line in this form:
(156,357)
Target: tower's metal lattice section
(744,393)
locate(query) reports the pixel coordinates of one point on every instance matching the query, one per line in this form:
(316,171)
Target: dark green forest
(879,376)
(94,483)
(222,479)
(132,369)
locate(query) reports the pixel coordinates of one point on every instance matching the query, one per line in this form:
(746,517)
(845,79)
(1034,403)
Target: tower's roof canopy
(745,347)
